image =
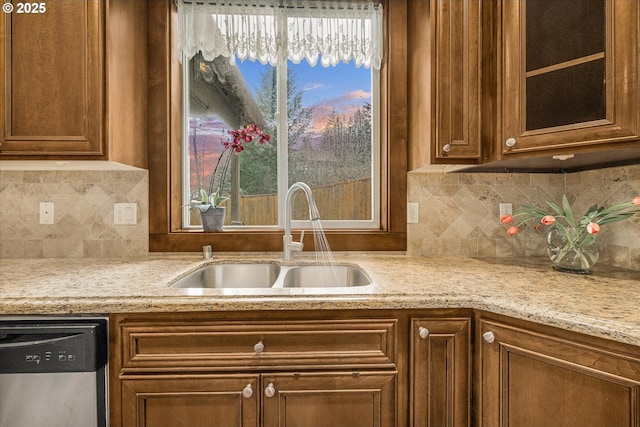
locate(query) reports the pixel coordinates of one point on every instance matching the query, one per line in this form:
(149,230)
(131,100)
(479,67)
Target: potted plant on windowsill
(211,213)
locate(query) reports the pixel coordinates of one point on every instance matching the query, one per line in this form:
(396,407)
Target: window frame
(165,150)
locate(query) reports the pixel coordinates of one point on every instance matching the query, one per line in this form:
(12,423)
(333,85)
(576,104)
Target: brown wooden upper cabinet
(568,79)
(52,66)
(524,80)
(456,60)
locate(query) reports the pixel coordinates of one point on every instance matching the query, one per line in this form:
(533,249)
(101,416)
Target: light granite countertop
(605,304)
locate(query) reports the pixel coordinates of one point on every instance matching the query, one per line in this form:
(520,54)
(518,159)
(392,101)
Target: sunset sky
(341,89)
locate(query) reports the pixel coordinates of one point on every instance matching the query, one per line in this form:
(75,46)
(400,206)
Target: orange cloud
(345,105)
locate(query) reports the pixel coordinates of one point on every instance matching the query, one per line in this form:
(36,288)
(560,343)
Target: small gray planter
(213,218)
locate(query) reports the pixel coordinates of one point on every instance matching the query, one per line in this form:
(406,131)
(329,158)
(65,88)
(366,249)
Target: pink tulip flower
(548,220)
(593,228)
(512,230)
(506,219)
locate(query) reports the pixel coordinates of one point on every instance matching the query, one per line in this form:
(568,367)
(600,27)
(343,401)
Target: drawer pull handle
(510,142)
(247,392)
(270,391)
(446,148)
(259,347)
(489,337)
(423,332)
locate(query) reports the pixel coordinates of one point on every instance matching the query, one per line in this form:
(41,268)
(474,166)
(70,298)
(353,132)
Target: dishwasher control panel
(61,347)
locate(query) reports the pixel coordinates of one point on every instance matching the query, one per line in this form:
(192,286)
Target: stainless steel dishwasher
(53,371)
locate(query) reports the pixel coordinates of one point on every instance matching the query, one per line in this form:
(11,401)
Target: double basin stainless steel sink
(272,275)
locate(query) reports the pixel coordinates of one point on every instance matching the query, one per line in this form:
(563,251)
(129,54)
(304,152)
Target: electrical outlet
(125,213)
(413,212)
(46,213)
(506,208)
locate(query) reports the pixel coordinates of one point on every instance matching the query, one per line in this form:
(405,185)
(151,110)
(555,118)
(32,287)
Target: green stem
(584,262)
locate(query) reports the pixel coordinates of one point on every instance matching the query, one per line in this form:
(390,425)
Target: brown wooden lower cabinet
(365,368)
(530,377)
(254,370)
(191,401)
(320,399)
(349,399)
(440,372)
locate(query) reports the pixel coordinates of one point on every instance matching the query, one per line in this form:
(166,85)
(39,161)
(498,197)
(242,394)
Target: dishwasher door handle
(18,344)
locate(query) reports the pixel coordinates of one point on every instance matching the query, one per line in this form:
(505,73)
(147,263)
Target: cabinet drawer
(259,345)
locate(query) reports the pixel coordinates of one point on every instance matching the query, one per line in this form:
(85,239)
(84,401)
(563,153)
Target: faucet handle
(291,246)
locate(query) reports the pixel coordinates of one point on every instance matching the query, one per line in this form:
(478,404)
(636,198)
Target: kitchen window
(166,227)
(308,75)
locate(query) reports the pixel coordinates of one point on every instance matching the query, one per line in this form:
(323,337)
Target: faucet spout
(289,245)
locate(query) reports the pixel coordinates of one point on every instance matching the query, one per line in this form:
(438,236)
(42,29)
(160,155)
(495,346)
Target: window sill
(271,240)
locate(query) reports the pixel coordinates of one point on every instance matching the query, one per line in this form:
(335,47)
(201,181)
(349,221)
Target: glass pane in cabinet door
(563,30)
(566,96)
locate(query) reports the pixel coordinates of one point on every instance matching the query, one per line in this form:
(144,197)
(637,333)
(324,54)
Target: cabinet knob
(259,347)
(446,148)
(423,332)
(489,337)
(270,390)
(510,142)
(247,392)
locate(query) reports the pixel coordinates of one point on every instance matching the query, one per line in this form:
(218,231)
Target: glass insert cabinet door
(565,76)
(569,73)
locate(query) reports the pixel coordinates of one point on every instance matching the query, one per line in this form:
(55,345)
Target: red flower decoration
(238,138)
(593,228)
(548,219)
(506,219)
(578,232)
(246,134)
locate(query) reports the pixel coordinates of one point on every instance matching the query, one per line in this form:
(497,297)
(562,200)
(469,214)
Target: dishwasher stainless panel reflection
(53,372)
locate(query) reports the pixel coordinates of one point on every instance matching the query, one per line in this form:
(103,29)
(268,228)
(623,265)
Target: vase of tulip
(572,250)
(571,242)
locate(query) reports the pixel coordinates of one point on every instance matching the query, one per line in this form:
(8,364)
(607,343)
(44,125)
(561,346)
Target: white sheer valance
(330,31)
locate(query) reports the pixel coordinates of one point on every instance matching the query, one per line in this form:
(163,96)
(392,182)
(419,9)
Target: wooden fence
(344,201)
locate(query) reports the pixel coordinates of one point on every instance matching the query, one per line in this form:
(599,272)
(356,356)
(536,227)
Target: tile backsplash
(459,211)
(83,193)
